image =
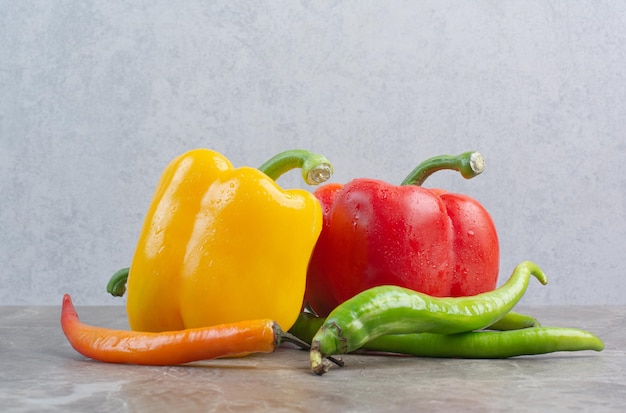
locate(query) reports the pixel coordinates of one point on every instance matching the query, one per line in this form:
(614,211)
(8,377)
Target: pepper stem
(469,164)
(117,284)
(315,168)
(286,337)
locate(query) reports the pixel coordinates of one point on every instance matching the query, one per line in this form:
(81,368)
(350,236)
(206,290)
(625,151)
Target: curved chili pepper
(476,344)
(171,347)
(307,324)
(395,310)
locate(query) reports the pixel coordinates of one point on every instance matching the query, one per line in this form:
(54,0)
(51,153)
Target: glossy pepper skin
(390,309)
(428,240)
(220,245)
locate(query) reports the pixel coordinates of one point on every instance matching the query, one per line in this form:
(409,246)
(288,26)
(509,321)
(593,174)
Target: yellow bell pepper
(222,244)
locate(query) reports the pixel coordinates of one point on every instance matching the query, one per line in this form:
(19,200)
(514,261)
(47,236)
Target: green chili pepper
(395,310)
(514,321)
(307,324)
(515,342)
(488,344)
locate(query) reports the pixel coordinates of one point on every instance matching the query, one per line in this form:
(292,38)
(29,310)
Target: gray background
(96,97)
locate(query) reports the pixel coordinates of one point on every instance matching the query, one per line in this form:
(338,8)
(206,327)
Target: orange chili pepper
(171,347)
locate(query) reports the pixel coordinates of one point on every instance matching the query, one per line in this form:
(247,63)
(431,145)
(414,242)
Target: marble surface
(40,372)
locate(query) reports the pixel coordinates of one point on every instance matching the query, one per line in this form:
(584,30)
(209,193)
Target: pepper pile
(399,320)
(226,259)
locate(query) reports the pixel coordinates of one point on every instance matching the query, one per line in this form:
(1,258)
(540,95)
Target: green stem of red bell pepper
(315,168)
(469,164)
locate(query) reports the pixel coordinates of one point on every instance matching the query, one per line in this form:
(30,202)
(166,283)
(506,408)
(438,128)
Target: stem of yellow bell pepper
(117,284)
(315,168)
(469,164)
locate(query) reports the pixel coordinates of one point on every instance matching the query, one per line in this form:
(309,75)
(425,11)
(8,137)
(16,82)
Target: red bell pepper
(375,233)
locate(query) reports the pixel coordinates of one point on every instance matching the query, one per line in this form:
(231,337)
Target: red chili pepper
(428,240)
(171,347)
